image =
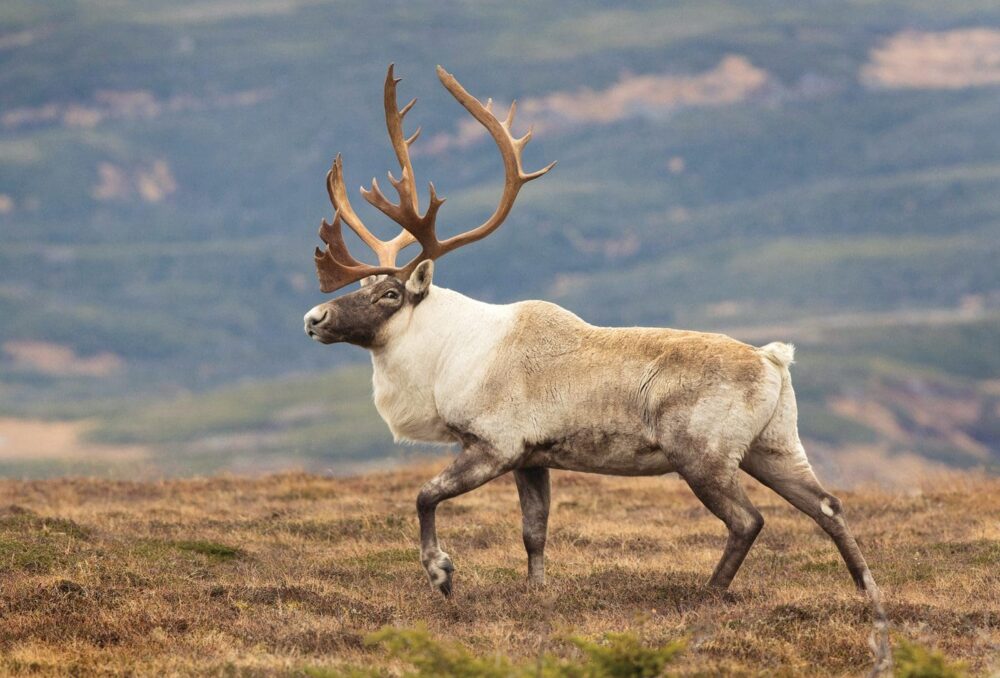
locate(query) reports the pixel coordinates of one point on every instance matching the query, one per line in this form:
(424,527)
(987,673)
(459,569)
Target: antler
(335,265)
(510,151)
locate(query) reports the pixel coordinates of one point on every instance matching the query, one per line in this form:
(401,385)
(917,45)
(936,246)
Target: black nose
(315,320)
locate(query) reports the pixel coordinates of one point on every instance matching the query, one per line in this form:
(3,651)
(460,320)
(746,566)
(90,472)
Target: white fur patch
(825,507)
(779,353)
(433,362)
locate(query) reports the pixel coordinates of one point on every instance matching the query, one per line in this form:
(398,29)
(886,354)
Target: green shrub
(916,661)
(623,655)
(618,655)
(432,658)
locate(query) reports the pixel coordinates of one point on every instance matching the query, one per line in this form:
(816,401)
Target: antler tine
(416,227)
(335,266)
(510,152)
(394,124)
(338,197)
(510,116)
(332,235)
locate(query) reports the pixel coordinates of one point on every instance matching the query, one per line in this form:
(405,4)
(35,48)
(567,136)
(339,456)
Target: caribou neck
(430,357)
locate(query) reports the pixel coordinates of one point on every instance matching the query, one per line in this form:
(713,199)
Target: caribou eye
(391,294)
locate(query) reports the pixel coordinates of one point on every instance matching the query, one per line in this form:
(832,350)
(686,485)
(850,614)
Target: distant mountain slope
(721,164)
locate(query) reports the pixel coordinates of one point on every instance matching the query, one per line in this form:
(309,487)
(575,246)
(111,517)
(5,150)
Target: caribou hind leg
(477,464)
(789,474)
(533,491)
(721,493)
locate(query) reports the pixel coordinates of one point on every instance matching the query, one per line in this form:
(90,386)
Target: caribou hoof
(439,570)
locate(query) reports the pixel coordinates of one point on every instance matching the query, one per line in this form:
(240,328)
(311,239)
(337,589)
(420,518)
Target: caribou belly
(590,451)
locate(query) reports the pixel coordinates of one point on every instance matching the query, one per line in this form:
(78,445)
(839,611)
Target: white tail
(780,353)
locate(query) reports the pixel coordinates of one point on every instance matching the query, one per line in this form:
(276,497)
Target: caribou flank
(529,386)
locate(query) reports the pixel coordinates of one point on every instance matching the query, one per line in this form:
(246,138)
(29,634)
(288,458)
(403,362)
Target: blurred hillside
(815,172)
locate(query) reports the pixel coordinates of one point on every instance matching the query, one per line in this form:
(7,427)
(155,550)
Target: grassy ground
(288,574)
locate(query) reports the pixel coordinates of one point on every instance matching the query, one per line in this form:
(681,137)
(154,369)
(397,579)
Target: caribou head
(388,290)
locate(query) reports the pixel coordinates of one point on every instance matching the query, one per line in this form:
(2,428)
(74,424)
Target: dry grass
(280,574)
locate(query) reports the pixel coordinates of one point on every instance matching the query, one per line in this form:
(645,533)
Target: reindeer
(529,386)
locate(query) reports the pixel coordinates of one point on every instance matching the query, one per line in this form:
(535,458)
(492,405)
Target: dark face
(356,318)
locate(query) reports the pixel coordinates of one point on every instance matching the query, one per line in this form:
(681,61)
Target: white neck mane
(432,356)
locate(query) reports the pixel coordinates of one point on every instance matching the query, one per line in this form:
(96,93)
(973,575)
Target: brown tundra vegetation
(287,575)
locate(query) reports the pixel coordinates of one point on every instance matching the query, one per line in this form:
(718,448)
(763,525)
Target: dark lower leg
(726,499)
(793,479)
(831,519)
(797,484)
(738,545)
(476,465)
(533,492)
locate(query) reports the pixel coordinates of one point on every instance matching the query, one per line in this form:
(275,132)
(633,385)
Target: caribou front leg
(533,491)
(477,464)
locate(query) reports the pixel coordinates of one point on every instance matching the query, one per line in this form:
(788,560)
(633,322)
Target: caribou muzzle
(341,321)
(320,324)
(356,318)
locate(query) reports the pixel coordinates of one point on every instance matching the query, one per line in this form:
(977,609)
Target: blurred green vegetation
(916,661)
(299,421)
(617,655)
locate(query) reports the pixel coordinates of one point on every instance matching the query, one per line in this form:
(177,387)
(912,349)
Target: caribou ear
(420,280)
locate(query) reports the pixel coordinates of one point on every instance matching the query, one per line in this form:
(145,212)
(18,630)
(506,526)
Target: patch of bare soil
(968,57)
(55,359)
(37,439)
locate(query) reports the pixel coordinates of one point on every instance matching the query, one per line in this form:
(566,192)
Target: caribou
(527,387)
